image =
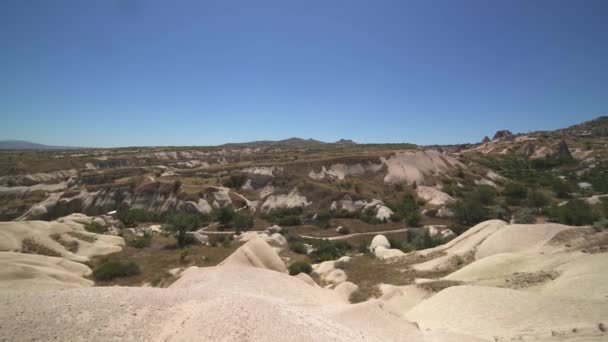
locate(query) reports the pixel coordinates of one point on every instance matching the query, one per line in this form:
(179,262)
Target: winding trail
(339,237)
(343,237)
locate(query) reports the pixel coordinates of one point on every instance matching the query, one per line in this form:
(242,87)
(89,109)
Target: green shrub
(363,247)
(469,211)
(344,231)
(235,181)
(406,209)
(140,241)
(323,220)
(130,217)
(324,250)
(397,244)
(284,216)
(299,267)
(225,215)
(181,223)
(575,213)
(501,213)
(486,194)
(291,220)
(114,269)
(537,199)
(95,228)
(515,193)
(183,254)
(297,247)
(561,188)
(243,222)
(422,240)
(369,216)
(524,216)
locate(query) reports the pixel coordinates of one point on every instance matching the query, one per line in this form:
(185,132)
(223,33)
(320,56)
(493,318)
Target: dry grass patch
(364,293)
(368,272)
(71,245)
(161,256)
(438,285)
(31,246)
(519,280)
(83,237)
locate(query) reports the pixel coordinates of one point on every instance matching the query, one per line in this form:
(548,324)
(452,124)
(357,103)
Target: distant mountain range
(27,145)
(289,143)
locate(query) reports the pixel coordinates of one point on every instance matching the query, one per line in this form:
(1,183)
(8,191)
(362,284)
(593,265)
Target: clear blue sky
(118,73)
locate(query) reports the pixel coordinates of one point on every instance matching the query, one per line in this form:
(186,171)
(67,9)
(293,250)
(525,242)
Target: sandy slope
(489,312)
(249,297)
(232,302)
(29,272)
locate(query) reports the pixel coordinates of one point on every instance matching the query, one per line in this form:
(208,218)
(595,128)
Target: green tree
(243,222)
(225,215)
(469,211)
(537,199)
(515,193)
(180,224)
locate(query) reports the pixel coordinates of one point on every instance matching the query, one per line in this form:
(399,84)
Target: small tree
(514,193)
(243,222)
(225,215)
(469,211)
(298,267)
(180,224)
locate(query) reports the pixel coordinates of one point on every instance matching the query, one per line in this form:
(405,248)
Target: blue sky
(124,73)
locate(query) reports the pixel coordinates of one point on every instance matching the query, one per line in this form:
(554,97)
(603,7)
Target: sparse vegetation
(235,181)
(284,216)
(243,222)
(298,267)
(181,223)
(324,250)
(407,210)
(140,241)
(575,213)
(114,269)
(130,217)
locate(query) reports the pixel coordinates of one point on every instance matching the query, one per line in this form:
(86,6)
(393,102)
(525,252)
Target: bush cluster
(324,250)
(140,241)
(130,217)
(300,267)
(114,269)
(180,224)
(574,213)
(235,181)
(284,216)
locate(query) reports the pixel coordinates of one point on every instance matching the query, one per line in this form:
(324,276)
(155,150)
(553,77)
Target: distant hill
(289,143)
(595,127)
(27,145)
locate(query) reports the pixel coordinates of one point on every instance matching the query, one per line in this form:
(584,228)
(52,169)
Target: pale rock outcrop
(307,279)
(382,248)
(291,200)
(199,238)
(256,253)
(418,166)
(33,272)
(263,170)
(383,213)
(379,241)
(16,236)
(345,289)
(433,196)
(444,212)
(274,238)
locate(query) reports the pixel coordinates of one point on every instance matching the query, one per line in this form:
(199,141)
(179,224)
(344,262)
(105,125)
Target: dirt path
(343,237)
